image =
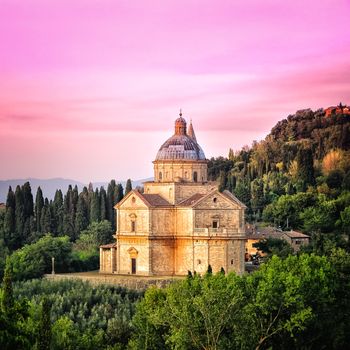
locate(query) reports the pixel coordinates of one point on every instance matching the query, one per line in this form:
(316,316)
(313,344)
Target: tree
(320,217)
(33,260)
(103,204)
(101,231)
(69,214)
(10,220)
(195,313)
(111,201)
(39,204)
(257,195)
(95,214)
(58,210)
(46,220)
(128,186)
(274,246)
(242,191)
(305,163)
(81,217)
(334,179)
(14,332)
(282,299)
(20,219)
(7,300)
(44,329)
(222,181)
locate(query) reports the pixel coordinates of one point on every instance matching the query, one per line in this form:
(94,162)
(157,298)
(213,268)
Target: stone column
(113,259)
(101,260)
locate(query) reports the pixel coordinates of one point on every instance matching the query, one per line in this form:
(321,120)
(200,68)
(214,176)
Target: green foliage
(191,314)
(15,331)
(44,329)
(288,208)
(128,186)
(33,260)
(101,231)
(274,246)
(287,303)
(83,316)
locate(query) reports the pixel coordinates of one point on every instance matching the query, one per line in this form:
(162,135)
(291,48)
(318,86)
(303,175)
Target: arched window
(160,175)
(195,176)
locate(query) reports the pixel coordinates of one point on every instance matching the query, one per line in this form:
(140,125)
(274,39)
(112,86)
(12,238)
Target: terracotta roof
(155,200)
(108,246)
(262,235)
(295,234)
(191,200)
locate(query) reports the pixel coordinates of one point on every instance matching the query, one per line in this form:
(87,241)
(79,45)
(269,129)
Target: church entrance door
(133,266)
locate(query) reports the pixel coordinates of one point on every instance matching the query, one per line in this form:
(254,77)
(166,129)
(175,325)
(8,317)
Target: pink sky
(90,89)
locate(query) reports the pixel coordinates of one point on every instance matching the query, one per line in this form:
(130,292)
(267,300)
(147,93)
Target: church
(181,222)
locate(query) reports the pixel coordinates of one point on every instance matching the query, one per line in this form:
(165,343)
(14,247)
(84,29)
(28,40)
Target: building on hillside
(181,222)
(254,235)
(334,110)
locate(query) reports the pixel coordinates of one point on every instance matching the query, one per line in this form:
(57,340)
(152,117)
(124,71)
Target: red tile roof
(155,200)
(108,246)
(191,200)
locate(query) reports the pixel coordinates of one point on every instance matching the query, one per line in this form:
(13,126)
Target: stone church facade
(181,222)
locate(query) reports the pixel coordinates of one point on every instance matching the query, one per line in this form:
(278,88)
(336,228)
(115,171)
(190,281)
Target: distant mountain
(49,186)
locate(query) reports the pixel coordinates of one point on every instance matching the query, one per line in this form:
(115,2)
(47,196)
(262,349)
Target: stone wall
(176,171)
(131,282)
(133,247)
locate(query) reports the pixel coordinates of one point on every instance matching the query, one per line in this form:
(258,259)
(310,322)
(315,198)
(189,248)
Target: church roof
(182,145)
(191,133)
(108,246)
(192,200)
(155,200)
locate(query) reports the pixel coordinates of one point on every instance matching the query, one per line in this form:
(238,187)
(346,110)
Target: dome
(181,146)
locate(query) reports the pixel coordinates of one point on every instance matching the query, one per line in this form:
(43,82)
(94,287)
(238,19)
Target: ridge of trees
(298,177)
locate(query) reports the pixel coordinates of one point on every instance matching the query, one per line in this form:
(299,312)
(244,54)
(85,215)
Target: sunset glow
(90,89)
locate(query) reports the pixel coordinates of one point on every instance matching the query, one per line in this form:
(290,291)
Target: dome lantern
(180,125)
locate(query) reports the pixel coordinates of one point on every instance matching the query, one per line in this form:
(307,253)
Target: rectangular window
(215,224)
(133,226)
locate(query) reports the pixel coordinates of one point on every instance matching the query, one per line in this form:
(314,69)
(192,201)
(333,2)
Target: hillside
(307,151)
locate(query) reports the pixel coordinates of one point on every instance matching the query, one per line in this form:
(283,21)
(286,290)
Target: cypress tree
(222,181)
(39,203)
(58,213)
(95,207)
(305,166)
(7,301)
(119,194)
(110,201)
(81,217)
(68,214)
(44,331)
(86,198)
(128,186)
(46,218)
(18,239)
(28,206)
(10,219)
(103,204)
(75,196)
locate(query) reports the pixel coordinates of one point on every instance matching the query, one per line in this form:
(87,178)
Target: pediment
(218,200)
(133,252)
(133,200)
